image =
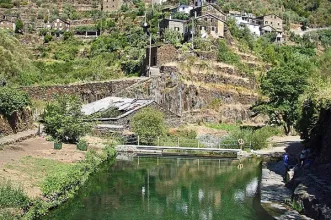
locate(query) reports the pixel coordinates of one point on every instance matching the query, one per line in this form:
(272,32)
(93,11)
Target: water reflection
(167,188)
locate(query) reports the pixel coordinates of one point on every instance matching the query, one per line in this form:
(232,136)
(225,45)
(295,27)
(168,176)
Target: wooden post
(138,140)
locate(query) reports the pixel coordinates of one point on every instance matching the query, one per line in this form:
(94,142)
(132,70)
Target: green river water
(169,188)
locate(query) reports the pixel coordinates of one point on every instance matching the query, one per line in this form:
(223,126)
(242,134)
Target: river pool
(169,188)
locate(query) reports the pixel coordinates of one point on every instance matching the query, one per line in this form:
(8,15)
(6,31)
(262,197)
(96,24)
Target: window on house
(206,19)
(200,28)
(211,20)
(212,28)
(176,28)
(266,22)
(278,24)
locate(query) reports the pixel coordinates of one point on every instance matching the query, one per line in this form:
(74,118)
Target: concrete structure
(111,5)
(181,26)
(210,25)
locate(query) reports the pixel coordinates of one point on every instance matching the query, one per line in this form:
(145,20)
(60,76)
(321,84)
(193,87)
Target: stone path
(20,136)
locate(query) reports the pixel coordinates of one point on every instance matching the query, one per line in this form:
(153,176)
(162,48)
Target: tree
(282,86)
(148,124)
(64,120)
(19,26)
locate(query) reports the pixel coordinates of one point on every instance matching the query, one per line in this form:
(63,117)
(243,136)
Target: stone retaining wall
(89,92)
(17,122)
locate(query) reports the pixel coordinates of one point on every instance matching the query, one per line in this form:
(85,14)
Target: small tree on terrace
(148,124)
(64,120)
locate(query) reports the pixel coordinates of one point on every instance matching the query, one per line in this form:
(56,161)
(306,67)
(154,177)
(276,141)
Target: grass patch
(13,200)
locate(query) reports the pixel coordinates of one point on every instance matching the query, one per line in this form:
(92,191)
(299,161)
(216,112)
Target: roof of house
(127,105)
(176,20)
(209,4)
(64,21)
(210,15)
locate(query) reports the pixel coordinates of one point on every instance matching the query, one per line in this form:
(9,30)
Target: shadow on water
(169,188)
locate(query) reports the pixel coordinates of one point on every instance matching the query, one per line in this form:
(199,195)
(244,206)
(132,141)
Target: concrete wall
(89,92)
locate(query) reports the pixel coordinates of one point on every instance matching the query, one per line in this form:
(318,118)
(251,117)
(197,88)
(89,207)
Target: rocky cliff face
(220,94)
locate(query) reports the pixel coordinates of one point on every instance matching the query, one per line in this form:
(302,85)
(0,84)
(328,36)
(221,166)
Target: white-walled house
(183,9)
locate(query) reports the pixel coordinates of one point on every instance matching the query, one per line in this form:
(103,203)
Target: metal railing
(183,142)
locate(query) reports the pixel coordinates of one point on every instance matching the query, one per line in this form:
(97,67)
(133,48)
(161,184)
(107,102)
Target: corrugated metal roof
(127,105)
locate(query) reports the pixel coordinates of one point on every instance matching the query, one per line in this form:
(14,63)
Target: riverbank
(33,172)
(276,198)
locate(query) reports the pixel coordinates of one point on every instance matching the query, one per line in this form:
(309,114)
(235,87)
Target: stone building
(272,23)
(209,26)
(181,26)
(211,9)
(111,5)
(117,112)
(60,25)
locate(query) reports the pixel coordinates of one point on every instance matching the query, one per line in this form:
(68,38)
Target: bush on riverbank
(254,139)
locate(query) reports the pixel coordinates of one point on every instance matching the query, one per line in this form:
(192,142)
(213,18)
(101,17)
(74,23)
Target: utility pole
(192,33)
(150,54)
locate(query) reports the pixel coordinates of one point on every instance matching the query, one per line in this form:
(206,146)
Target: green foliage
(6,4)
(14,58)
(12,100)
(173,37)
(225,54)
(255,139)
(283,85)
(180,16)
(64,120)
(65,182)
(148,124)
(18,26)
(12,197)
(48,38)
(82,145)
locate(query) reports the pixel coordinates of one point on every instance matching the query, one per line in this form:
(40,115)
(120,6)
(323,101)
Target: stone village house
(210,21)
(259,25)
(181,26)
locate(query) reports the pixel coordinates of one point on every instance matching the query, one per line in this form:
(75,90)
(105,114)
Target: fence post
(138,140)
(178,142)
(158,141)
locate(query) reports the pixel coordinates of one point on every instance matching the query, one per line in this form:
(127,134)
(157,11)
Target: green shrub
(12,100)
(82,145)
(64,120)
(226,55)
(148,124)
(12,197)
